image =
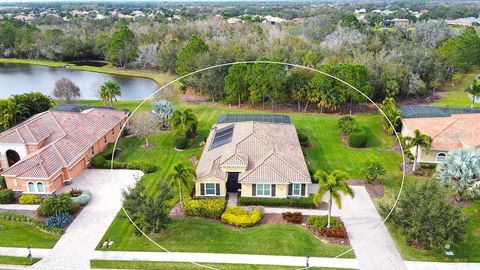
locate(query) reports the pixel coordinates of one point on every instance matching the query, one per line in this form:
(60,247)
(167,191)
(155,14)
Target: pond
(19,78)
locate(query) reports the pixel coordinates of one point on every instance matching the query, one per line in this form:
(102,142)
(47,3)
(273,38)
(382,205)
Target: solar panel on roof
(222,136)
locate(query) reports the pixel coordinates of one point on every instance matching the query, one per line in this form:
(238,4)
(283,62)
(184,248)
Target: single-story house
(449,132)
(50,149)
(256,155)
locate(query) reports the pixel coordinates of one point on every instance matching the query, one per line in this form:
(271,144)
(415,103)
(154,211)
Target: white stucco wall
(21,149)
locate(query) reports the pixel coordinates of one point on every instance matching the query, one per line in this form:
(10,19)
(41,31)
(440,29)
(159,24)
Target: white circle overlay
(275,63)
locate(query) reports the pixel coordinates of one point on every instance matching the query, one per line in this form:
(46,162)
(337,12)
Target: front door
(232,182)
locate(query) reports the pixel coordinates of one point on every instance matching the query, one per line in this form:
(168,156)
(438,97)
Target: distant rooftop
(421,111)
(77,107)
(269,118)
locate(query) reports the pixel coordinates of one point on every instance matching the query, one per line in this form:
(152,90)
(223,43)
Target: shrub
(295,217)
(3,183)
(99,162)
(142,165)
(358,137)
(107,154)
(304,140)
(75,192)
(118,165)
(336,230)
(59,220)
(83,198)
(29,199)
(304,202)
(28,220)
(180,141)
(6,196)
(210,208)
(74,209)
(346,124)
(239,217)
(56,204)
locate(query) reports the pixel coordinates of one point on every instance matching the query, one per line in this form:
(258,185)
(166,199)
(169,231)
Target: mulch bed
(375,189)
(177,212)
(193,160)
(329,240)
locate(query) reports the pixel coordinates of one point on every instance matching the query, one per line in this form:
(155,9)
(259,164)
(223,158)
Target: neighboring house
(273,20)
(51,148)
(450,131)
(234,20)
(470,21)
(400,22)
(256,155)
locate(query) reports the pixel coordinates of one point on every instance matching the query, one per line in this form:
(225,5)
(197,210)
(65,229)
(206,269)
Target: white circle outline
(263,62)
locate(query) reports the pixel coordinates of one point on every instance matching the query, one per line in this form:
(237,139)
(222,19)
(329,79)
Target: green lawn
(455,96)
(187,266)
(17,260)
(199,235)
(17,234)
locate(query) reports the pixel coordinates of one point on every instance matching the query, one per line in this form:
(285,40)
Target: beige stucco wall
(210,179)
(281,191)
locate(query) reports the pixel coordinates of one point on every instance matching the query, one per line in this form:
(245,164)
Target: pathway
(75,247)
(232,199)
(23,252)
(225,258)
(21,207)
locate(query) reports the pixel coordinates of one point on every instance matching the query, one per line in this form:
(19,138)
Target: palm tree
(185,122)
(109,92)
(181,176)
(336,185)
(417,141)
(372,171)
(474,90)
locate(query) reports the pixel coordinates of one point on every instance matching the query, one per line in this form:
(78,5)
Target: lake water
(18,79)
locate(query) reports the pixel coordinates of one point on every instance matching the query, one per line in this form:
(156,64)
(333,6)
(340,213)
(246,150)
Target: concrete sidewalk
(22,207)
(415,265)
(23,252)
(225,258)
(75,247)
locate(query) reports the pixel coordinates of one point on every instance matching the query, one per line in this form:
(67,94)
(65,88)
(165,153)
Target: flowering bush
(29,199)
(239,217)
(210,208)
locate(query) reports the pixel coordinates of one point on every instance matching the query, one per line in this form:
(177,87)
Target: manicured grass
(187,266)
(17,260)
(17,234)
(160,78)
(455,96)
(198,235)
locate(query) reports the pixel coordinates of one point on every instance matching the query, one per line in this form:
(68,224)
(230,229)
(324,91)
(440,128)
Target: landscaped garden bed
(336,233)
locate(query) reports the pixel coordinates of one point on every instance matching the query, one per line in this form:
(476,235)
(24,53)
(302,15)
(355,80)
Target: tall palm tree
(181,176)
(336,185)
(417,141)
(474,90)
(109,92)
(185,122)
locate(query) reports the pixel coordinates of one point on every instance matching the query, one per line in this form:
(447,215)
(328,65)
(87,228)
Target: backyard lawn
(199,235)
(455,96)
(188,266)
(17,234)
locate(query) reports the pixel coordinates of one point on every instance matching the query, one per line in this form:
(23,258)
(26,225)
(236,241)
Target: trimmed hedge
(209,208)
(239,217)
(6,196)
(336,230)
(358,137)
(30,221)
(304,202)
(83,198)
(30,199)
(142,165)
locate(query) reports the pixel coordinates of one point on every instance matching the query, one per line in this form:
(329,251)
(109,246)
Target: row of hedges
(239,217)
(336,230)
(304,202)
(209,208)
(33,222)
(145,166)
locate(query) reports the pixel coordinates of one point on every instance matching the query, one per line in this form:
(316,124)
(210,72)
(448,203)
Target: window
(40,187)
(92,150)
(264,189)
(113,131)
(441,157)
(210,189)
(105,139)
(31,187)
(296,189)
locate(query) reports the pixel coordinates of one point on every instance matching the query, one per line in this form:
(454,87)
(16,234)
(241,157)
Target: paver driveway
(76,246)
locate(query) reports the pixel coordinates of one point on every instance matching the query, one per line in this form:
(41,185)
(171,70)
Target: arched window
(441,157)
(40,187)
(31,187)
(12,157)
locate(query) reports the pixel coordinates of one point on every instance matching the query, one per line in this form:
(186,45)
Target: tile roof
(271,153)
(66,136)
(456,131)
